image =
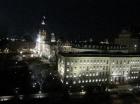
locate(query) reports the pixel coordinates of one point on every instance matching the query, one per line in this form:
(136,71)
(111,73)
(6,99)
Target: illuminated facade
(81,69)
(92,47)
(42,42)
(53,40)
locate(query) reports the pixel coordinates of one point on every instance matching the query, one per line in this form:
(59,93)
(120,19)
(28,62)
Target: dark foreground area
(31,82)
(100,98)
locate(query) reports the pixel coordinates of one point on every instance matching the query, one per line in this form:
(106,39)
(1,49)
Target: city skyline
(69,52)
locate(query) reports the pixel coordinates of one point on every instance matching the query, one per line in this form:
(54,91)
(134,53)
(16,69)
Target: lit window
(83,81)
(97,74)
(79,75)
(66,82)
(90,74)
(134,77)
(79,81)
(68,63)
(86,74)
(90,80)
(67,76)
(74,76)
(74,82)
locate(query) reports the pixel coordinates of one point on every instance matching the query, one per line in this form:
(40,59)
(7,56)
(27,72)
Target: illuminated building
(53,40)
(92,47)
(132,43)
(97,69)
(42,42)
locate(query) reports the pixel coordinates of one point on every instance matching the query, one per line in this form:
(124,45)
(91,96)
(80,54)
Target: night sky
(70,18)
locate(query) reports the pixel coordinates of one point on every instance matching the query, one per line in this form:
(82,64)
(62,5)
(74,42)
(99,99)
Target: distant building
(132,43)
(92,47)
(42,42)
(53,40)
(16,46)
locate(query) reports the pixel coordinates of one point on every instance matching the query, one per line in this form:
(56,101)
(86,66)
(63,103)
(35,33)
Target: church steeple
(42,44)
(43,20)
(43,28)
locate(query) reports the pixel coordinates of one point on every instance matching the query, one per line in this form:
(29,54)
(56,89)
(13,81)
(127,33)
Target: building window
(68,63)
(117,62)
(74,82)
(120,61)
(68,69)
(97,74)
(107,62)
(86,74)
(90,80)
(90,74)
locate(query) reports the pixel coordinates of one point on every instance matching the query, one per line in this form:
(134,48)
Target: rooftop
(97,54)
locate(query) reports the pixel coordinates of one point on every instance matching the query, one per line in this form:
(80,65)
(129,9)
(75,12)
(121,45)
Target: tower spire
(43,20)
(42,43)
